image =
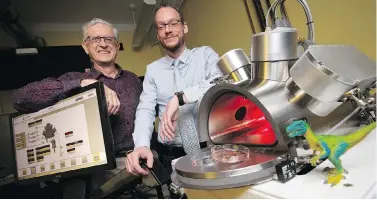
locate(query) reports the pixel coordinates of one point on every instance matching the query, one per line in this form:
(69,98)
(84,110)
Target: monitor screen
(65,137)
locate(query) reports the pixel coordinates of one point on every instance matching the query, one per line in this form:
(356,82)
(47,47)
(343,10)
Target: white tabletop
(360,161)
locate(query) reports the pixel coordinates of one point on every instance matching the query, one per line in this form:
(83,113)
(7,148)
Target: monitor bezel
(107,136)
(10,178)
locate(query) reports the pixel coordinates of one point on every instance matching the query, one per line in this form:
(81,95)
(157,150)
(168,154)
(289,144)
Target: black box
(286,170)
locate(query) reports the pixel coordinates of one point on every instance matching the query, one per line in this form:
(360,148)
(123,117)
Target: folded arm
(192,94)
(40,94)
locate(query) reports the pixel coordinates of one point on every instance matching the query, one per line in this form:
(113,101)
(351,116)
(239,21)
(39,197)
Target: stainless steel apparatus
(256,98)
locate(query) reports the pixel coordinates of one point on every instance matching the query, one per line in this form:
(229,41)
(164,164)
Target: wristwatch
(180,98)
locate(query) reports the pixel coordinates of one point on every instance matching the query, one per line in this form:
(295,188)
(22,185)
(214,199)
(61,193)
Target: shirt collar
(183,57)
(94,73)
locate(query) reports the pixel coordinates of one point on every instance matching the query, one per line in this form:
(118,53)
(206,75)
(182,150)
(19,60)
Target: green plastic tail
(360,134)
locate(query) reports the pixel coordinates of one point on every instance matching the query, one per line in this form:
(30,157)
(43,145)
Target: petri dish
(202,158)
(230,153)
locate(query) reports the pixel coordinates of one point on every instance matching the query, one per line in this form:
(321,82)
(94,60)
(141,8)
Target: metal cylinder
(326,72)
(317,107)
(277,71)
(241,75)
(236,65)
(275,45)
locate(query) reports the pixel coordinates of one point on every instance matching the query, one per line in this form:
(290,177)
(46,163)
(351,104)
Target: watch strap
(180,98)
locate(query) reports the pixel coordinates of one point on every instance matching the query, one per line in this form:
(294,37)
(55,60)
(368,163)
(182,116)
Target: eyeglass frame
(90,38)
(170,24)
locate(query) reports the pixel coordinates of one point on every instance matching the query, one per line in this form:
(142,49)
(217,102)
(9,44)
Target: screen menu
(63,137)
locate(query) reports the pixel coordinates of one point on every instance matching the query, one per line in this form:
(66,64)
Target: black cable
(249,16)
(260,14)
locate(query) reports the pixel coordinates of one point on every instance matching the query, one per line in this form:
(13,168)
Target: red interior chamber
(235,119)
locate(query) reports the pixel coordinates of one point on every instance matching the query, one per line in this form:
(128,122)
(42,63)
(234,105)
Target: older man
(174,83)
(122,89)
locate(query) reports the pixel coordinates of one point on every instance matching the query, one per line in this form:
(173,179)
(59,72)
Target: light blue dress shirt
(198,66)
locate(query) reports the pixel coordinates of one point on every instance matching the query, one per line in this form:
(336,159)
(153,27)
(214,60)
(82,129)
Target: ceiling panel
(75,11)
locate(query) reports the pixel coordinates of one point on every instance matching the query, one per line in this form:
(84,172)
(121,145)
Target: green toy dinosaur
(329,146)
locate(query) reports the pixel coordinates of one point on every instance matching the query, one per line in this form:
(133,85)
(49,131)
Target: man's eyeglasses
(172,24)
(97,39)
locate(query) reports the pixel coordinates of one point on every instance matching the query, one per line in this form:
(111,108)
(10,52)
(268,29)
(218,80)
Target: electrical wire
(271,14)
(274,12)
(273,7)
(283,15)
(309,19)
(249,16)
(283,11)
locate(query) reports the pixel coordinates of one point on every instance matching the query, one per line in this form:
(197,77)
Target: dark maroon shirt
(127,85)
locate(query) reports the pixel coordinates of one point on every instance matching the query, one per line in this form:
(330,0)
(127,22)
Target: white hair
(95,21)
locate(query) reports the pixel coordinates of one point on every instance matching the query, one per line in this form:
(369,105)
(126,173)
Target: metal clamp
(361,99)
(221,79)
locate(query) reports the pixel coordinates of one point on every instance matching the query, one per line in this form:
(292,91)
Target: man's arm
(194,93)
(145,112)
(40,94)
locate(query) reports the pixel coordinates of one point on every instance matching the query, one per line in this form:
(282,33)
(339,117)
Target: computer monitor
(7,174)
(71,138)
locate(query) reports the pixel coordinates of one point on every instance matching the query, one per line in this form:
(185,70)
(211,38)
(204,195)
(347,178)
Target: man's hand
(169,119)
(112,100)
(132,160)
(86,82)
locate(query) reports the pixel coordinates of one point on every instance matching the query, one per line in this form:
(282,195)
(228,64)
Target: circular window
(240,113)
